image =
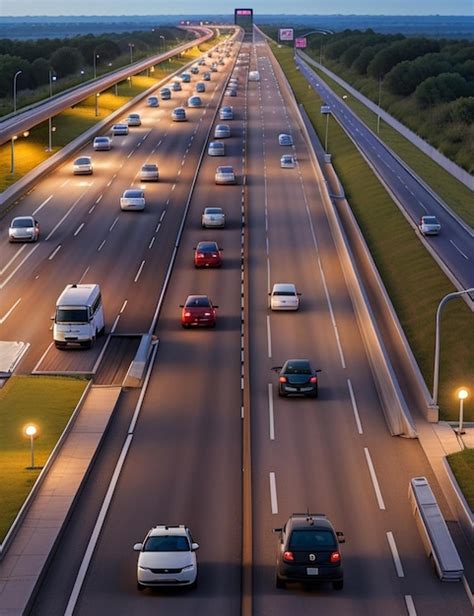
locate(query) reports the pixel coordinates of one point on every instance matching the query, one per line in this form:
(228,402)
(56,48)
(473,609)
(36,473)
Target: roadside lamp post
(462,395)
(129,79)
(31,432)
(97,104)
(50,129)
(17,74)
(441,304)
(378,105)
(96,56)
(162,38)
(131,45)
(12,154)
(82,73)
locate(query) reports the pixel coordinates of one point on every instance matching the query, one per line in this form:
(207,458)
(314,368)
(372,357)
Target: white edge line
(43,356)
(395,555)
(373,476)
(269,336)
(270,411)
(354,407)
(273,493)
(410,605)
(97,528)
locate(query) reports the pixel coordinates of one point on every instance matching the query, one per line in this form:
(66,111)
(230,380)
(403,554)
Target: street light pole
(378,104)
(131,45)
(50,130)
(97,104)
(17,74)
(462,395)
(12,154)
(96,55)
(444,300)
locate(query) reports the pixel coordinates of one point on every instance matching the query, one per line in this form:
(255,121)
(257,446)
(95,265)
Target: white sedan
(213,217)
(284,296)
(133,199)
(429,225)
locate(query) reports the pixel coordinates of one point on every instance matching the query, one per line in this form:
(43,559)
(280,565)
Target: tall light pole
(378,104)
(97,104)
(462,395)
(163,43)
(12,154)
(31,432)
(96,55)
(50,129)
(131,45)
(17,74)
(445,299)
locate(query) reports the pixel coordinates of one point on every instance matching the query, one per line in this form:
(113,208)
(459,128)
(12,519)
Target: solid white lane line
(40,207)
(43,356)
(410,605)
(459,250)
(270,411)
(139,271)
(5,317)
(101,246)
(396,558)
(113,224)
(331,312)
(375,483)
(79,229)
(54,253)
(269,336)
(84,274)
(97,528)
(354,407)
(273,493)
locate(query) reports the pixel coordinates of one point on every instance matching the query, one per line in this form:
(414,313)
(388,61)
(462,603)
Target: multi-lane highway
(454,245)
(184,462)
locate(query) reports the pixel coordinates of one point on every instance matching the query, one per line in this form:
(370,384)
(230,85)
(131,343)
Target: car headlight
(188,568)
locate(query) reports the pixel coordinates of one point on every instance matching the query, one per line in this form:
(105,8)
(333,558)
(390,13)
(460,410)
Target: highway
(183,455)
(454,247)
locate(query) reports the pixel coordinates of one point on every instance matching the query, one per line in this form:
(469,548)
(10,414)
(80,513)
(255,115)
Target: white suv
(167,558)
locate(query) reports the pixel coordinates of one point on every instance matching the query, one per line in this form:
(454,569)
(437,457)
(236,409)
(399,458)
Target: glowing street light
(31,431)
(12,154)
(97,104)
(96,56)
(462,394)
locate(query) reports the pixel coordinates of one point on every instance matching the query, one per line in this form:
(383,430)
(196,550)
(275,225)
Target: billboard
(286,34)
(244,18)
(300,43)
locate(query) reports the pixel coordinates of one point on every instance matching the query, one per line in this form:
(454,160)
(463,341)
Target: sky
(208,7)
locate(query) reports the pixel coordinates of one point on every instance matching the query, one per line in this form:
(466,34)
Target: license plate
(312,570)
(291,388)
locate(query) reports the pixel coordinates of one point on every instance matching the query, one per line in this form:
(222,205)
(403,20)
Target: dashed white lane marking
(65,183)
(79,229)
(459,250)
(269,337)
(8,313)
(101,246)
(41,206)
(410,605)
(163,214)
(99,198)
(422,205)
(354,407)
(15,256)
(152,241)
(273,493)
(139,271)
(375,483)
(92,209)
(54,253)
(123,306)
(113,224)
(396,558)
(63,218)
(270,412)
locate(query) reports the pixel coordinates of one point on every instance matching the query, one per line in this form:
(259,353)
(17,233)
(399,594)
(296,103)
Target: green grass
(453,192)
(48,403)
(462,465)
(412,278)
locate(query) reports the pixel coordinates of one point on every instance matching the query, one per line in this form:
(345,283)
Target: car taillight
(313,379)
(207,314)
(200,255)
(335,557)
(289,557)
(187,314)
(283,379)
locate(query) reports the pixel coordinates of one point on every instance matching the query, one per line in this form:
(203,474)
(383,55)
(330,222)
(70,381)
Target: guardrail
(434,533)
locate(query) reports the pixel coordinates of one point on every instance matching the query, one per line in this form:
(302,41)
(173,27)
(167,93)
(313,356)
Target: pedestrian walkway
(23,563)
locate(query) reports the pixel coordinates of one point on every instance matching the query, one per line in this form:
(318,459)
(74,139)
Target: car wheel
(280,583)
(140,586)
(60,345)
(338,585)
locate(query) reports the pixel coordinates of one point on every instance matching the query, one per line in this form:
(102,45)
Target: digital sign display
(286,34)
(300,43)
(244,19)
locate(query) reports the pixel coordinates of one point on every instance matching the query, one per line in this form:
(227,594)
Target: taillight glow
(335,557)
(313,379)
(187,314)
(289,557)
(283,379)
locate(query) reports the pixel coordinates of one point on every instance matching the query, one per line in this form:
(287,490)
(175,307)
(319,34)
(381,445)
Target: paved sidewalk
(23,563)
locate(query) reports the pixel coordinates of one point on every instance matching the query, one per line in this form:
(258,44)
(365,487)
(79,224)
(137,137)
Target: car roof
(213,210)
(308,520)
(165,529)
(22,218)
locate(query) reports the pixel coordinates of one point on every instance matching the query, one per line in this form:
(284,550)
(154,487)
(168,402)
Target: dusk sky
(189,7)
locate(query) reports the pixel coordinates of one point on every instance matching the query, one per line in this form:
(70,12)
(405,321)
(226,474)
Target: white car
(102,143)
(284,296)
(285,139)
(179,114)
(167,557)
(429,225)
(133,199)
(216,148)
(226,113)
(134,119)
(287,161)
(222,131)
(176,86)
(225,175)
(165,94)
(194,101)
(149,172)
(153,101)
(119,129)
(83,166)
(213,217)
(23,229)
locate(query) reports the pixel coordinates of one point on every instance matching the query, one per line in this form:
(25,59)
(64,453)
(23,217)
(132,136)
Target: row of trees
(69,55)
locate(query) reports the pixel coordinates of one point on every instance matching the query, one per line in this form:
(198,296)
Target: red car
(198,310)
(207,254)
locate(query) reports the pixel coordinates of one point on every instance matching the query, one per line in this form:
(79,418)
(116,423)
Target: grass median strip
(412,278)
(462,465)
(47,402)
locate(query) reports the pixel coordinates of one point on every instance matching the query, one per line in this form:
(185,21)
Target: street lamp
(163,44)
(129,79)
(31,432)
(96,55)
(12,154)
(17,74)
(462,395)
(444,300)
(97,104)
(131,45)
(50,129)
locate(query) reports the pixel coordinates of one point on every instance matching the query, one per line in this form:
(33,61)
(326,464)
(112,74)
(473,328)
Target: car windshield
(207,247)
(430,220)
(225,170)
(22,223)
(311,539)
(198,302)
(83,161)
(71,315)
(167,543)
(101,139)
(298,367)
(149,168)
(213,210)
(133,194)
(284,293)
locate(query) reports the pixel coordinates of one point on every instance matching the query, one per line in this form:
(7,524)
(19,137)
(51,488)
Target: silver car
(213,217)
(194,101)
(179,114)
(153,101)
(133,199)
(119,129)
(226,113)
(165,94)
(134,119)
(23,229)
(83,166)
(287,161)
(176,86)
(285,139)
(429,225)
(216,148)
(284,296)
(225,175)
(185,77)
(102,143)
(149,172)
(200,86)
(222,131)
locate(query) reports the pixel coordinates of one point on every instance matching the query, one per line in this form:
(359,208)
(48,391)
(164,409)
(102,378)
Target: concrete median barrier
(137,368)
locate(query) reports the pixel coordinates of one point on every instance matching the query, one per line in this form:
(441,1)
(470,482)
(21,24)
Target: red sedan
(198,310)
(207,254)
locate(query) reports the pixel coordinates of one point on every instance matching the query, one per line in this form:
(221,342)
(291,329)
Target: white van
(254,76)
(79,317)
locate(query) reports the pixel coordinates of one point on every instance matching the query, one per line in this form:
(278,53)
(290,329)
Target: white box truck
(79,317)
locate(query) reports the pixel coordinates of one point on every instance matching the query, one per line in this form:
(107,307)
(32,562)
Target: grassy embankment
(46,402)
(462,465)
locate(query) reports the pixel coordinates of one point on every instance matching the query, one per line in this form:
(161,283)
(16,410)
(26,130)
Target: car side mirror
(52,318)
(181,305)
(340,537)
(138,547)
(298,294)
(277,530)
(215,306)
(276,368)
(318,370)
(194,546)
